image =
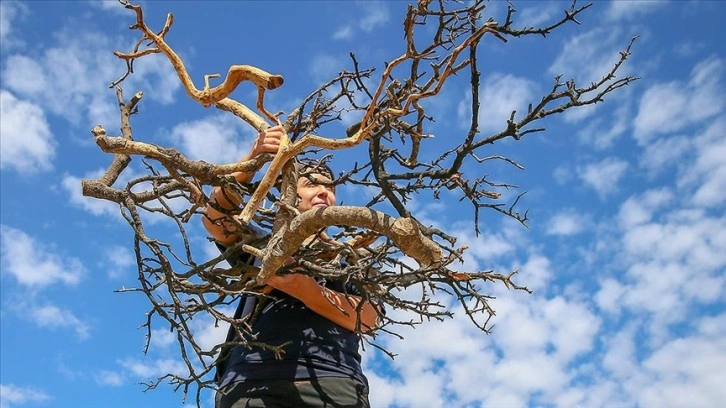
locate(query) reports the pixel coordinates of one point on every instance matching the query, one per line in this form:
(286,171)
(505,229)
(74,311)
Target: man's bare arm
(337,307)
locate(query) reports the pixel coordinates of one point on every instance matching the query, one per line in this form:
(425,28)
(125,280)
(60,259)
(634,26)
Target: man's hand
(267,141)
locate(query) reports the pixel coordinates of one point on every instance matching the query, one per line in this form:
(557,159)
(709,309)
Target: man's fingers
(275,134)
(268,141)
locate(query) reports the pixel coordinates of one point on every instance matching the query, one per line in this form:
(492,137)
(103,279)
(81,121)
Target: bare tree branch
(379,253)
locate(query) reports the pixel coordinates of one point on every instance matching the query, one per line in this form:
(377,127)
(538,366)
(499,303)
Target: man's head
(314,188)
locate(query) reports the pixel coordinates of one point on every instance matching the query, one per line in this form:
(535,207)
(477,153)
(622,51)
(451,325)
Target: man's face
(314,195)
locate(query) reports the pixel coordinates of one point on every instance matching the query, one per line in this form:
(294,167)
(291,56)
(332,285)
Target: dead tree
(383,253)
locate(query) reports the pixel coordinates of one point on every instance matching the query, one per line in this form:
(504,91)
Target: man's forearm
(343,310)
(215,220)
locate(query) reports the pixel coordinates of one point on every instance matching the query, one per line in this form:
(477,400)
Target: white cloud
(324,67)
(120,261)
(673,257)
(534,340)
(343,33)
(370,15)
(162,338)
(639,209)
(687,372)
(98,207)
(609,296)
(85,54)
(675,260)
(563,175)
(30,77)
(109,378)
(567,222)
(109,5)
(375,14)
(683,372)
(626,10)
(209,333)
(588,57)
(661,110)
(535,272)
(221,138)
(10,395)
(603,176)
(10,13)
(54,317)
(486,247)
(674,106)
(500,95)
(27,145)
(600,132)
(698,160)
(152,369)
(528,360)
(536,14)
(688,48)
(155,76)
(658,156)
(33,263)
(708,172)
(25,75)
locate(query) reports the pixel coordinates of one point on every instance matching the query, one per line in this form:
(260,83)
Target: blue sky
(626,250)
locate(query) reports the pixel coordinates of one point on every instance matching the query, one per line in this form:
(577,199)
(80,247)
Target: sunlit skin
(313,194)
(337,307)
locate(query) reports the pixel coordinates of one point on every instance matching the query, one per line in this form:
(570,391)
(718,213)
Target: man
(315,321)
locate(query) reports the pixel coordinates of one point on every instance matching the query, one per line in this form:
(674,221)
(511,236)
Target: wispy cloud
(120,261)
(627,10)
(536,14)
(323,67)
(708,171)
(373,14)
(603,176)
(604,130)
(109,378)
(109,6)
(10,13)
(587,58)
(44,79)
(154,368)
(665,154)
(343,33)
(13,395)
(640,209)
(500,95)
(567,222)
(50,316)
(673,106)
